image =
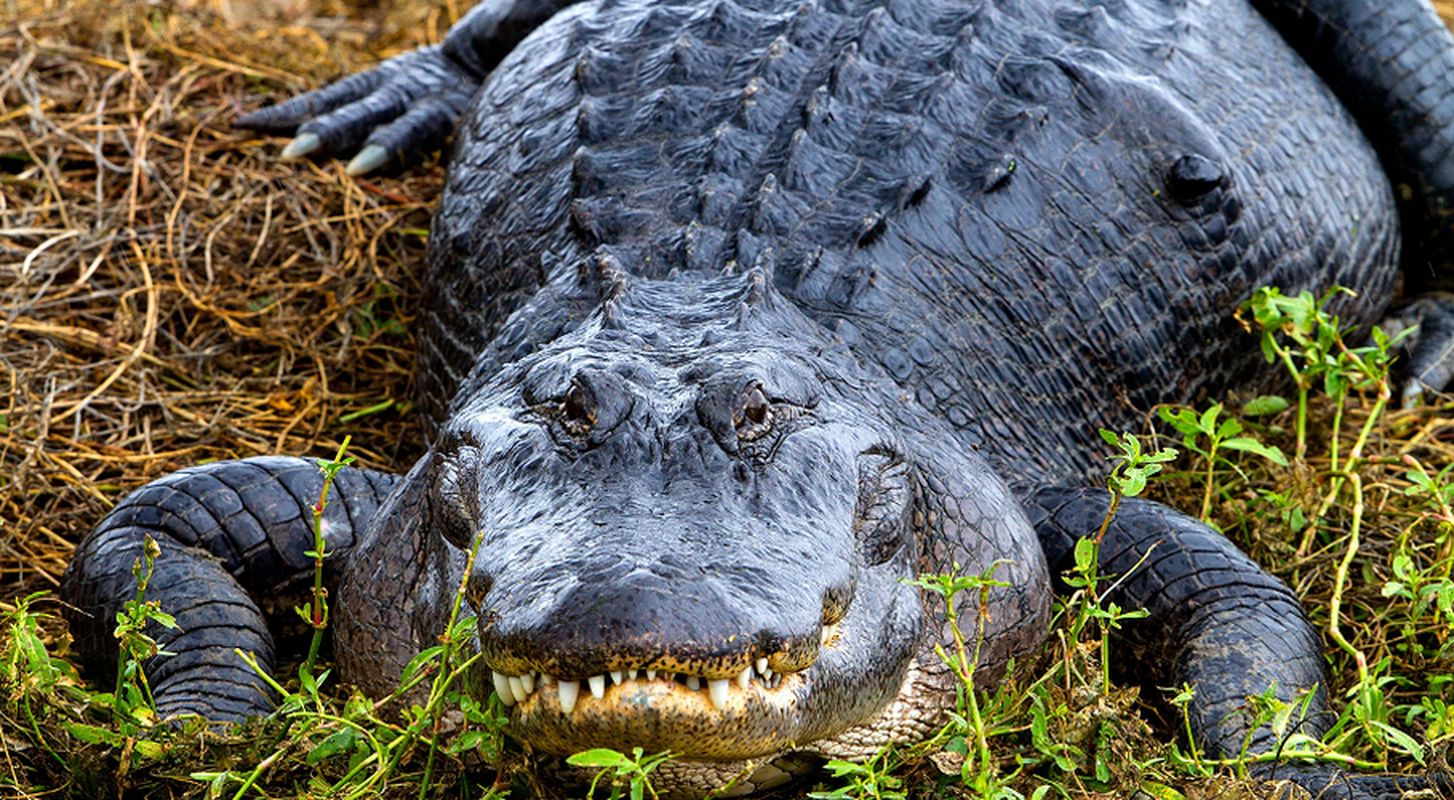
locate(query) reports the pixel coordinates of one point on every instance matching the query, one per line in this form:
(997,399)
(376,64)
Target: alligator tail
(229,532)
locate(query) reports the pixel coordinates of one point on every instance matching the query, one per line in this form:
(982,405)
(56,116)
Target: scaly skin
(738,314)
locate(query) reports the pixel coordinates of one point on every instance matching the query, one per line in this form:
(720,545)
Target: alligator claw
(370,158)
(405,106)
(302,145)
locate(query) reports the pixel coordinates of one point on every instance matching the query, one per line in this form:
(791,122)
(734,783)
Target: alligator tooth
(598,686)
(717,691)
(744,678)
(651,674)
(631,674)
(616,677)
(762,665)
(528,682)
(502,688)
(693,682)
(569,691)
(518,689)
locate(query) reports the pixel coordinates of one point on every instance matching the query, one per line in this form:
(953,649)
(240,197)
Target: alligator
(740,313)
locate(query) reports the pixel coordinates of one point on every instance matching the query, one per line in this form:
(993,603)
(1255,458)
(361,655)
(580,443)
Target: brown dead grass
(171,292)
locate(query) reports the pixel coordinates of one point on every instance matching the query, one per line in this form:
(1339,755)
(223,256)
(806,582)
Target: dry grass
(170,293)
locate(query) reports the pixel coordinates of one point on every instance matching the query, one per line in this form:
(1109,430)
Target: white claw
(528,682)
(631,674)
(518,689)
(569,691)
(767,674)
(598,686)
(762,665)
(546,679)
(616,677)
(693,682)
(502,688)
(651,674)
(368,159)
(302,145)
(717,691)
(744,678)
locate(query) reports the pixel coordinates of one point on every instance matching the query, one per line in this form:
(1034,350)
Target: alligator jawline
(657,715)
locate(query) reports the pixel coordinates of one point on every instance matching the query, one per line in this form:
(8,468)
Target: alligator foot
(228,532)
(407,105)
(1216,621)
(1429,352)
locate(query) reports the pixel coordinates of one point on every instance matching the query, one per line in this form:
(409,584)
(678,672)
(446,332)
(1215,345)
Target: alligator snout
(629,648)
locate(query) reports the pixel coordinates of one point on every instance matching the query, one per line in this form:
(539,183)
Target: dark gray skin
(738,315)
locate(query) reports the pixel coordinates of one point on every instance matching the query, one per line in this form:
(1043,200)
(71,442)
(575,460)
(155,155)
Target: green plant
(315,613)
(1224,435)
(629,774)
(132,699)
(870,780)
(948,586)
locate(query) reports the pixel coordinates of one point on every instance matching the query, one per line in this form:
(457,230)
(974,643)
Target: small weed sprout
(871,780)
(315,613)
(1224,435)
(132,700)
(630,775)
(961,660)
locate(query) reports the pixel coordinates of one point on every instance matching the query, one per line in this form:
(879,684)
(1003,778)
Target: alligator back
(1029,225)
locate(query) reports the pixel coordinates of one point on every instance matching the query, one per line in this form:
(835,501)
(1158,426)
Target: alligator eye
(753,414)
(577,411)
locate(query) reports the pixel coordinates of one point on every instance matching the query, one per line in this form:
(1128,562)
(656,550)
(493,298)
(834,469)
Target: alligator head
(697,513)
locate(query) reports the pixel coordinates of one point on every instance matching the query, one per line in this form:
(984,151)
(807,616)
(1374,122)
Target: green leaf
(1265,405)
(94,735)
(343,740)
(1085,554)
(1248,445)
(1401,741)
(599,757)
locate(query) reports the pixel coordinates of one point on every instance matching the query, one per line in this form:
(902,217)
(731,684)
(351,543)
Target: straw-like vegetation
(170,293)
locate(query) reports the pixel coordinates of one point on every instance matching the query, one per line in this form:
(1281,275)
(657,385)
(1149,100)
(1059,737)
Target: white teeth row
(514,689)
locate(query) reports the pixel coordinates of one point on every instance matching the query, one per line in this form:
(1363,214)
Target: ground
(173,294)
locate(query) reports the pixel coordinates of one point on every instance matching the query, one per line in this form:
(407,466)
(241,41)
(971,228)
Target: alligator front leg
(1217,622)
(408,104)
(229,532)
